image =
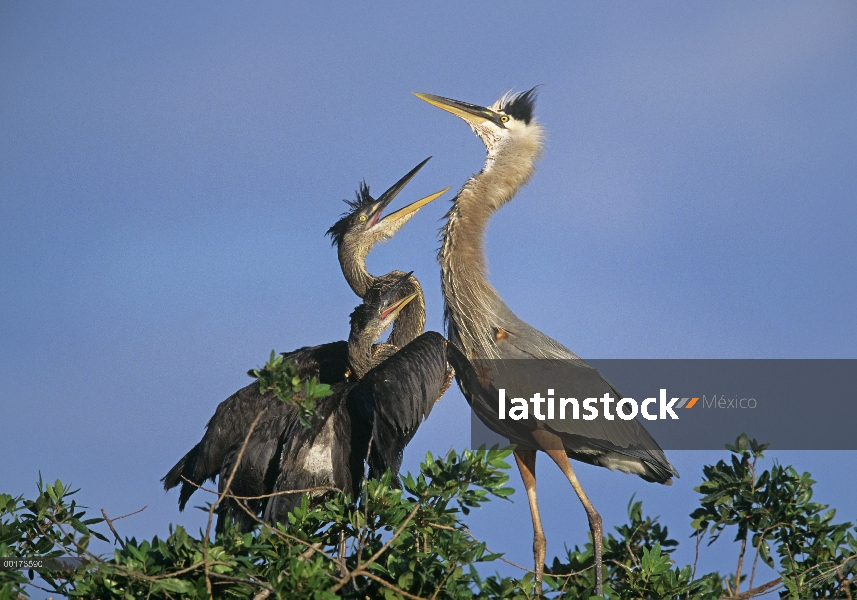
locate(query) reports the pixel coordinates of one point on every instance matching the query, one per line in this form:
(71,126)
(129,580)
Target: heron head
(364,224)
(510,117)
(379,310)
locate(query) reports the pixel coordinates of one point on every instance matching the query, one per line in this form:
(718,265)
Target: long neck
(353,263)
(472,306)
(360,352)
(411,322)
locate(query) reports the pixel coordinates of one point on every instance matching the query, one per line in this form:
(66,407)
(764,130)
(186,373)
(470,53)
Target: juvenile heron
(481,324)
(281,454)
(354,234)
(372,420)
(357,232)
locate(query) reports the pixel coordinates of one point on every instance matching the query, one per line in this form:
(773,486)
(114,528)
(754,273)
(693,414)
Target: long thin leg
(526,459)
(558,455)
(340,555)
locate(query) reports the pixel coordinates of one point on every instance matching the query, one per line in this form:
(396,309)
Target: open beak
(410,209)
(395,308)
(394,190)
(469,112)
(392,291)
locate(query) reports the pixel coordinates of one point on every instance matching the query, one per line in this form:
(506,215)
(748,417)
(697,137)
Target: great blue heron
(357,232)
(372,420)
(485,328)
(354,234)
(282,454)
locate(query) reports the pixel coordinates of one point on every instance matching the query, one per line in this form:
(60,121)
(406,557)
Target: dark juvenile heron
(281,454)
(357,232)
(481,324)
(372,420)
(354,234)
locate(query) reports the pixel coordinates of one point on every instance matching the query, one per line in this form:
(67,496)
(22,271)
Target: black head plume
(520,106)
(340,228)
(367,204)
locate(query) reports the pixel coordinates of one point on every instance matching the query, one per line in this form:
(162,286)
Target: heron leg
(552,446)
(526,459)
(340,555)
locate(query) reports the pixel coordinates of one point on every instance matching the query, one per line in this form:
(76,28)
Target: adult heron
(481,324)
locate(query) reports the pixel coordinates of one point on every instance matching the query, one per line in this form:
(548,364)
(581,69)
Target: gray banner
(792,404)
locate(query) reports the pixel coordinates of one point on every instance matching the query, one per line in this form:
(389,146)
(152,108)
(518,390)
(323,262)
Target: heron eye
(504,118)
(362,218)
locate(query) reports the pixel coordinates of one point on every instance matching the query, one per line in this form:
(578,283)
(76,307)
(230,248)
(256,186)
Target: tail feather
(180,474)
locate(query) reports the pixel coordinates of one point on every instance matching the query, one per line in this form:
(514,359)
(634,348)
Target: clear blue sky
(167,174)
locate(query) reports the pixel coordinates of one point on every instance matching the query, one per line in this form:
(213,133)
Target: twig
(284,535)
(361,568)
(225,489)
(136,512)
(256,582)
(759,590)
(310,551)
(740,563)
(113,529)
(792,561)
(321,488)
(446,575)
(387,584)
(695,559)
(756,560)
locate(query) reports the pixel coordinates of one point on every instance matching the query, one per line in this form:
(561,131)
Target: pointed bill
(410,209)
(397,187)
(395,308)
(469,112)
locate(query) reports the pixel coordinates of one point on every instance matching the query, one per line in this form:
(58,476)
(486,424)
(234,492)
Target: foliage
(283,378)
(773,511)
(413,543)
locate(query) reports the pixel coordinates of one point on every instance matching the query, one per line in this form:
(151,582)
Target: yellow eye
(504,118)
(362,218)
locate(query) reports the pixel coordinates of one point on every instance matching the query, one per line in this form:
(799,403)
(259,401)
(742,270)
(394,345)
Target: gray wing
(616,444)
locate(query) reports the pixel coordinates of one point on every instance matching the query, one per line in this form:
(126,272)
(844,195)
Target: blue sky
(167,174)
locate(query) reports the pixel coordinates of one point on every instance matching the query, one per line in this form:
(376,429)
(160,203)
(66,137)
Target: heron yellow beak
(396,308)
(469,112)
(413,207)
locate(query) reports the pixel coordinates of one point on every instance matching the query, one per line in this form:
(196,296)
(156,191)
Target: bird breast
(319,457)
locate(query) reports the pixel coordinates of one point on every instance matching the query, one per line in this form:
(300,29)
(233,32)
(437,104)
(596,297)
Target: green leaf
(176,586)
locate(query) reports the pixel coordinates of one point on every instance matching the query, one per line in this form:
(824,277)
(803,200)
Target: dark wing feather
(229,424)
(315,456)
(482,401)
(327,362)
(392,400)
(232,418)
(252,475)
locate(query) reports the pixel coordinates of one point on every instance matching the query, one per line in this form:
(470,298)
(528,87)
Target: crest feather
(518,105)
(340,228)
